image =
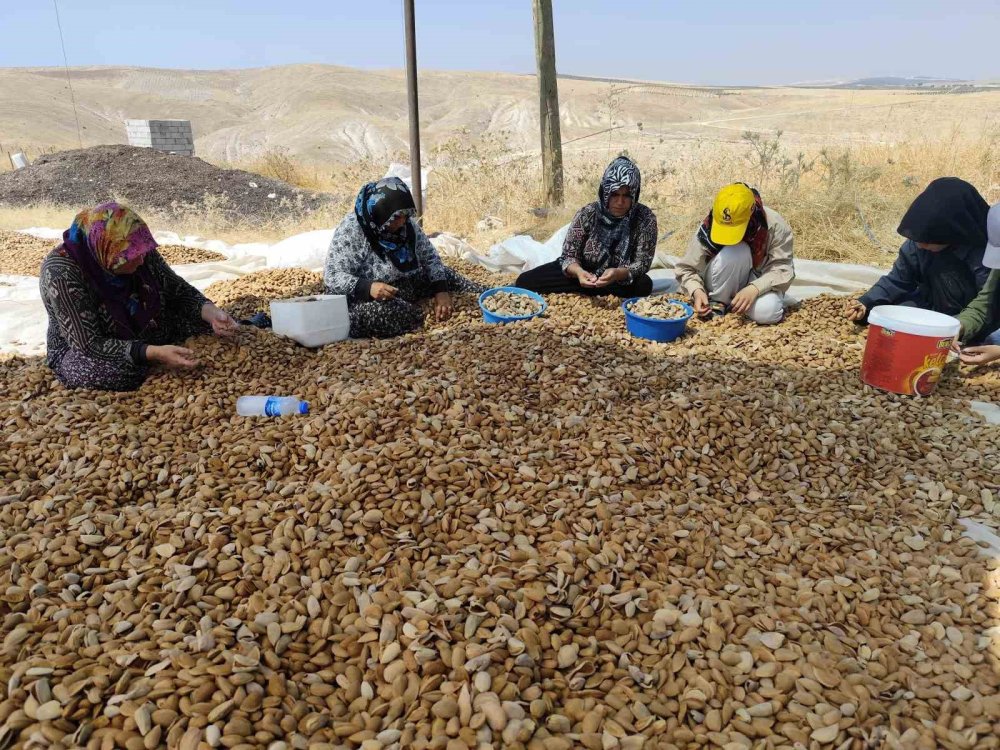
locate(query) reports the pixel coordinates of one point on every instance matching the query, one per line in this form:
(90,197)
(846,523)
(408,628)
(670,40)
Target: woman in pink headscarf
(115,307)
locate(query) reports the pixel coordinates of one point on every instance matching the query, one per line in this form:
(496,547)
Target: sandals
(715,310)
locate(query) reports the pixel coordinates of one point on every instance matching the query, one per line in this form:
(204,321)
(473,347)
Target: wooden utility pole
(411,92)
(548,101)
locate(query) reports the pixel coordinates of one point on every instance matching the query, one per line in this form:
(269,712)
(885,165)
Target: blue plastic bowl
(655,329)
(492,317)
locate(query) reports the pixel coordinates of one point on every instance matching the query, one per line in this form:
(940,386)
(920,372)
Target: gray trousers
(730,271)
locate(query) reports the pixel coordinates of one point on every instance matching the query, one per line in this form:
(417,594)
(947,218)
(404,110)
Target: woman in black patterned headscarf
(382,261)
(609,246)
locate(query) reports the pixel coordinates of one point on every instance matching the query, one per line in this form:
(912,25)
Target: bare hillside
(324,114)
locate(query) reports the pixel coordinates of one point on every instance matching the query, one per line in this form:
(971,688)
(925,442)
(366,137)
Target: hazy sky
(717,42)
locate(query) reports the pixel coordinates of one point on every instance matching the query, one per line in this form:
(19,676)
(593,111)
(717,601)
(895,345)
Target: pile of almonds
(512,304)
(178,254)
(252,293)
(549,535)
(658,307)
(22,254)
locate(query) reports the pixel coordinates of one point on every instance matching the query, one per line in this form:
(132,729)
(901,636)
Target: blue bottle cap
(303,407)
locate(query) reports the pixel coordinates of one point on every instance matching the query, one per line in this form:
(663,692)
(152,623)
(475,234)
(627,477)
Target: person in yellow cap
(740,259)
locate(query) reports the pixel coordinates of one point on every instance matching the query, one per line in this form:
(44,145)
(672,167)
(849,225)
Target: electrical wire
(69,82)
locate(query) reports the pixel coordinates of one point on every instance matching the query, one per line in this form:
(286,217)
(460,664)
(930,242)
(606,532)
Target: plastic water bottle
(270,406)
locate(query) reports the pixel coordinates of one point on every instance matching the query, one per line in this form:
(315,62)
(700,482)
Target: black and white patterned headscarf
(610,234)
(622,172)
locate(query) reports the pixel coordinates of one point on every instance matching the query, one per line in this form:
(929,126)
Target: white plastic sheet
(403,172)
(989,412)
(22,316)
(522,253)
(450,246)
(982,534)
(23,321)
(307,250)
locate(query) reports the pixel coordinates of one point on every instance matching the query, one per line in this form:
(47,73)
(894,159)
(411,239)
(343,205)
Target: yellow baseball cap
(731,213)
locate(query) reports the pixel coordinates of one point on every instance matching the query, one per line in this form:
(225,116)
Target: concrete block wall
(174,136)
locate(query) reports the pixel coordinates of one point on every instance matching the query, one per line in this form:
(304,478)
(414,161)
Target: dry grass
(207,221)
(844,202)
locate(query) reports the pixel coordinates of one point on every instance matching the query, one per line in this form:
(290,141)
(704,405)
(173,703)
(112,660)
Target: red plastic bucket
(907,349)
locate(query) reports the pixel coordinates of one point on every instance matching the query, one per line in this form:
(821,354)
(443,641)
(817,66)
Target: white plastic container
(311,321)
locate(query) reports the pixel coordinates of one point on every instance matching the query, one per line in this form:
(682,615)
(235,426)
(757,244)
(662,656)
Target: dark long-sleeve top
(641,242)
(79,320)
(913,268)
(352,266)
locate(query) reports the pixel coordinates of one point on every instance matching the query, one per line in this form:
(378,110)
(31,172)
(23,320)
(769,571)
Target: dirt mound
(253,293)
(148,179)
(21,254)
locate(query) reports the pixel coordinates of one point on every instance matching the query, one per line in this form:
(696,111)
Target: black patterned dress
(352,267)
(83,347)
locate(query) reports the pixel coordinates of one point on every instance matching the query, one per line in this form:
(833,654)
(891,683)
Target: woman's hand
(612,276)
(856,312)
(174,357)
(381,291)
(979,355)
(221,321)
(744,299)
(586,278)
(700,303)
(442,306)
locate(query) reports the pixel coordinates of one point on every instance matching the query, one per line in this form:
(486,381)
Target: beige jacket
(776,274)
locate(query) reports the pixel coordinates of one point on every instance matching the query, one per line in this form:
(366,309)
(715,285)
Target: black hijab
(378,203)
(950,211)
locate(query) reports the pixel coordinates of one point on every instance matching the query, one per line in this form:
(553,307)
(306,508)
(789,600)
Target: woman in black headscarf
(940,266)
(610,244)
(382,261)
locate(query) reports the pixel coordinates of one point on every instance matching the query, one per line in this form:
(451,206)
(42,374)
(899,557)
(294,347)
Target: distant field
(842,164)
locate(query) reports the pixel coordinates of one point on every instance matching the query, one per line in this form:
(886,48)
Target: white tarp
(989,412)
(23,320)
(405,173)
(812,278)
(307,250)
(523,253)
(22,316)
